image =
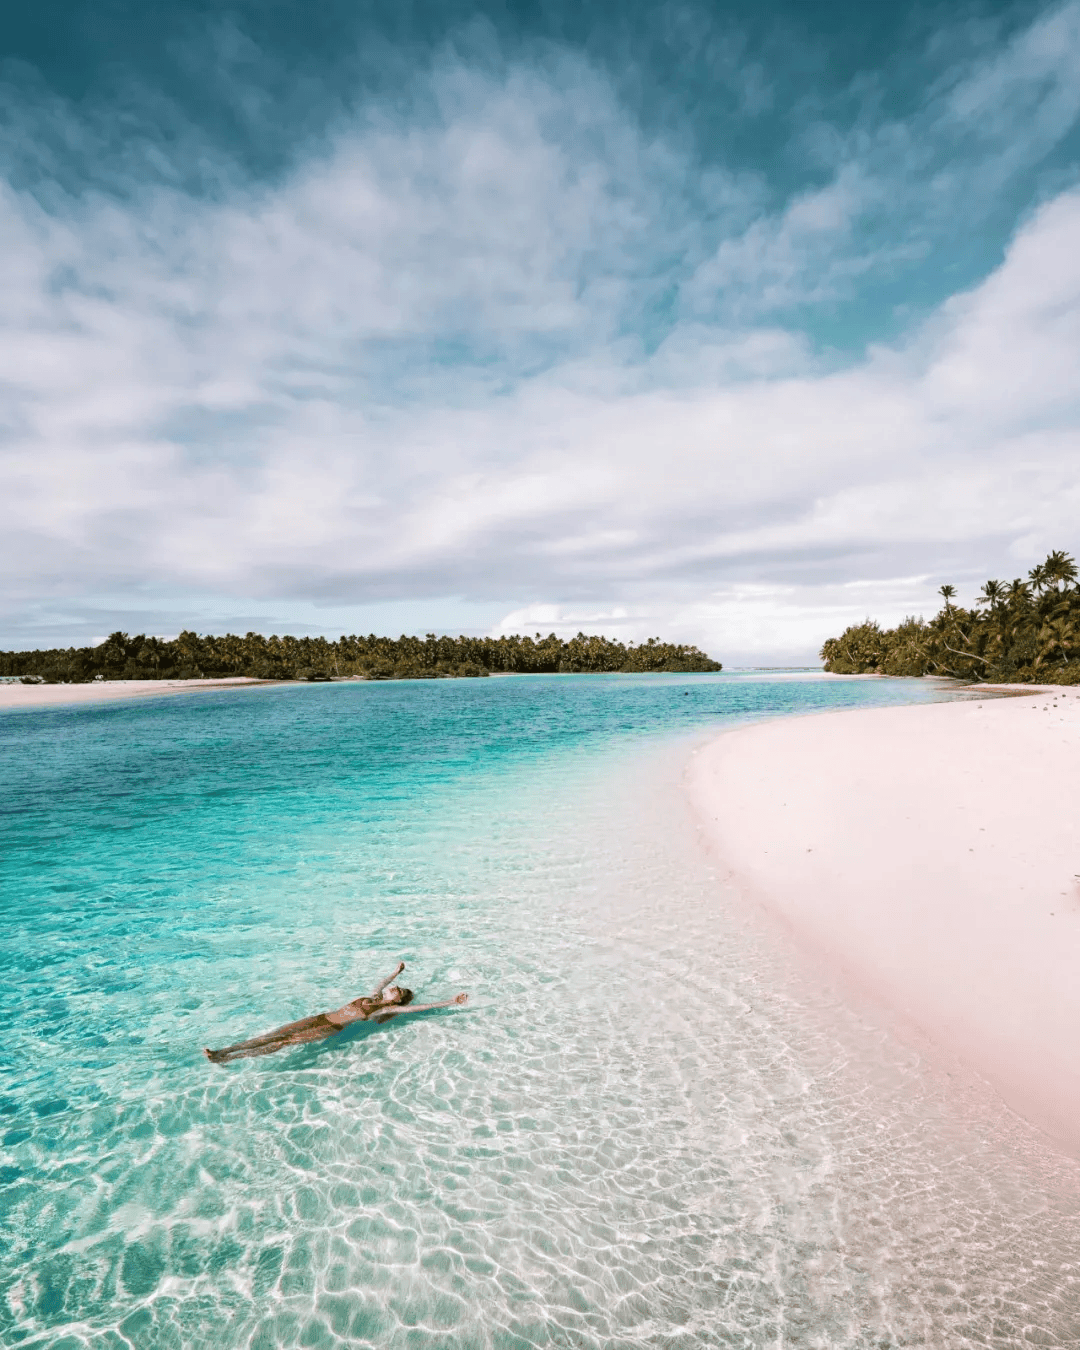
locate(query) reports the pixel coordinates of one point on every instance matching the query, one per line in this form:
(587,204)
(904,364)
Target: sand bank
(932,854)
(99,691)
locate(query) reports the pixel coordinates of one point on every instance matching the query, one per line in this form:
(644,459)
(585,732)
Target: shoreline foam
(932,855)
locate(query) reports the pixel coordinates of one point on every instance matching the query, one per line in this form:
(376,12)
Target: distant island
(190,656)
(1020,632)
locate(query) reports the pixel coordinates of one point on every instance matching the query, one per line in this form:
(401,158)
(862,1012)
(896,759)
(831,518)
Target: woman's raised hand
(462,998)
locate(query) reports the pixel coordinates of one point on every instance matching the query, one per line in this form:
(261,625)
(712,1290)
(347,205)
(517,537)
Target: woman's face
(392,994)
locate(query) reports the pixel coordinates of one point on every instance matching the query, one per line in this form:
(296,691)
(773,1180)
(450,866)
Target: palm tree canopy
(1026,631)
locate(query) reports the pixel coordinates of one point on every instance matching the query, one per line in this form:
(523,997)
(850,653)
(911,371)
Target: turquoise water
(646,1129)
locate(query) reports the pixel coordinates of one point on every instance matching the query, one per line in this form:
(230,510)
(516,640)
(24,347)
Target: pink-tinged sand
(933,854)
(49,695)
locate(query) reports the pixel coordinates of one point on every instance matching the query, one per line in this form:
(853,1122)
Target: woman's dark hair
(406,997)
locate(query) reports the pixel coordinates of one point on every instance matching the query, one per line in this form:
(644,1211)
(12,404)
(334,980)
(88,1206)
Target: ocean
(650,1126)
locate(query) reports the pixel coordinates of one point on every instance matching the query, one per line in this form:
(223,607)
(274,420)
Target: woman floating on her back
(386,1001)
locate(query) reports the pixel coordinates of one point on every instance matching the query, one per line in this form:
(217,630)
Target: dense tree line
(1020,632)
(189,656)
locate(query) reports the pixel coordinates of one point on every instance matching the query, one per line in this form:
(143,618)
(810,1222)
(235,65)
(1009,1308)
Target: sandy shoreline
(931,854)
(103,691)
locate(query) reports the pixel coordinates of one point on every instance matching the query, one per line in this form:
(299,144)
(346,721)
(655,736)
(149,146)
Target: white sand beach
(102,691)
(931,854)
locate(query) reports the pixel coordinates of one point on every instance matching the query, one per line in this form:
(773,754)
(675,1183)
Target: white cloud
(415,367)
(779,625)
(749,624)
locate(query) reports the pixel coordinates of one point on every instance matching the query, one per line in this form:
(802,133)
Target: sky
(727,323)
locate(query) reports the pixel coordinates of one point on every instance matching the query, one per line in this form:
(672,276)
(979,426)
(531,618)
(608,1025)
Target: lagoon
(650,1126)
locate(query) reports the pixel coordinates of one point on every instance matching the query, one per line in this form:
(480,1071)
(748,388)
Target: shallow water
(649,1127)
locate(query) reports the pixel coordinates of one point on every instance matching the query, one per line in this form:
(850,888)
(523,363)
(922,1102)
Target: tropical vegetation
(1018,632)
(190,656)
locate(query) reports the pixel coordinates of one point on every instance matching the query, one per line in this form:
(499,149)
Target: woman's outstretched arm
(420,1007)
(392,976)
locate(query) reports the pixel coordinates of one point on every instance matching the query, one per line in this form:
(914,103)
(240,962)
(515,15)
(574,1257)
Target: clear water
(647,1128)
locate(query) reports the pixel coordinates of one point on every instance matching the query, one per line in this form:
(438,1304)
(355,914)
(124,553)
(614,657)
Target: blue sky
(731,323)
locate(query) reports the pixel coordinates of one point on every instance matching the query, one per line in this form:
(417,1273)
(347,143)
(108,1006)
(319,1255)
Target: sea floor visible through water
(650,1126)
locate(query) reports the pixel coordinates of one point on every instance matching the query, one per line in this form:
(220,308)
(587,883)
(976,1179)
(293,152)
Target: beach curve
(932,855)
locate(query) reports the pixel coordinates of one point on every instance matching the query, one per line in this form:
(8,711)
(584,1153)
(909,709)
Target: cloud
(750,623)
(895,189)
(501,343)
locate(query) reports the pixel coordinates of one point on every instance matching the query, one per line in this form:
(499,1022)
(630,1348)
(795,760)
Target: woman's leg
(292,1033)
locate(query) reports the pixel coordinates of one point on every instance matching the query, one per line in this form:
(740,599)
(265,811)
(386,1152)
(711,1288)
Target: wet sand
(932,855)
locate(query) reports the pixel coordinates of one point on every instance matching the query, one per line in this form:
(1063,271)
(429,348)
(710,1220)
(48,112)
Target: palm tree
(991,594)
(1057,633)
(1019,593)
(1013,630)
(1059,570)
